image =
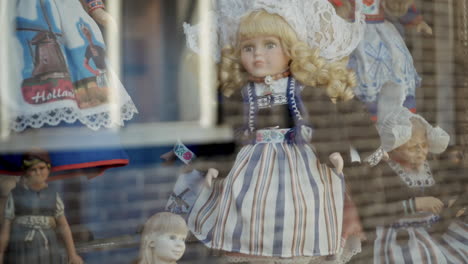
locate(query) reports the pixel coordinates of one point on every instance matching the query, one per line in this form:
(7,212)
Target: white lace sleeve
(59,207)
(10,208)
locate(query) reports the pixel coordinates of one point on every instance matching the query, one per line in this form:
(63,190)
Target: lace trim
(421,178)
(70,115)
(375,157)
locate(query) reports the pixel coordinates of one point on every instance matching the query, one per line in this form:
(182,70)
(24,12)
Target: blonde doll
(280,203)
(163,239)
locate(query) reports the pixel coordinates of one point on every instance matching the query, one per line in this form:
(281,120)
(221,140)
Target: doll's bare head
(163,239)
(413,153)
(397,8)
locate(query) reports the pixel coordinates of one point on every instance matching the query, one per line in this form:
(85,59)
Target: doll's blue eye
(271,45)
(247,48)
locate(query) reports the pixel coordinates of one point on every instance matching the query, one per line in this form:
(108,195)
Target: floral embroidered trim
(422,178)
(272,135)
(183,153)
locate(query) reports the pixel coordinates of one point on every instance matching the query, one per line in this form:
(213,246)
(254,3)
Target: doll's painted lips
(178,252)
(259,63)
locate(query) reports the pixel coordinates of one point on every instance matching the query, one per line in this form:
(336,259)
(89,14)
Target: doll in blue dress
(382,62)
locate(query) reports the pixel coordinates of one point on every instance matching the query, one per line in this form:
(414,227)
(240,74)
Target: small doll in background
(280,202)
(384,66)
(402,198)
(163,239)
(34,215)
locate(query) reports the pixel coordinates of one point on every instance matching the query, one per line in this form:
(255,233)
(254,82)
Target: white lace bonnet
(315,22)
(396,129)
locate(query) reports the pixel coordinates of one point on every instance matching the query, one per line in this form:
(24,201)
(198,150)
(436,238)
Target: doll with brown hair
(34,213)
(163,239)
(408,195)
(383,64)
(280,202)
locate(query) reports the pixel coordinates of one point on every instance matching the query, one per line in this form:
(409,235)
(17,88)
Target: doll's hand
(424,28)
(337,161)
(210,175)
(385,156)
(169,158)
(75,259)
(306,133)
(428,204)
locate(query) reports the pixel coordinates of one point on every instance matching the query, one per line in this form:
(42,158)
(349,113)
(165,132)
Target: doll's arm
(64,230)
(95,8)
(337,160)
(4,238)
(89,68)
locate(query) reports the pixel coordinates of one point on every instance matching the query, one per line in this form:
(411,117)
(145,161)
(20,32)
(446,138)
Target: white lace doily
(396,129)
(315,22)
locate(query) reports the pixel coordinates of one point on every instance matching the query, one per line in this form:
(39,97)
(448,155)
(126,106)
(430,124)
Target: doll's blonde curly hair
(306,65)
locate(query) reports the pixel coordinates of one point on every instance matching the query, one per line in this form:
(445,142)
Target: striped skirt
(277,201)
(421,247)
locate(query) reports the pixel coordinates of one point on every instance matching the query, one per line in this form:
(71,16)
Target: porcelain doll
(60,77)
(34,215)
(408,196)
(163,239)
(383,64)
(280,203)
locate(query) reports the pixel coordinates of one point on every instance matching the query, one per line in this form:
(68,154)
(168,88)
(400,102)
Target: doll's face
(37,174)
(263,55)
(397,7)
(169,247)
(414,152)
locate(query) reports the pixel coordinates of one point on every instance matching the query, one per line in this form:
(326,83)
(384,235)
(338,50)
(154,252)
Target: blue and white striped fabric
(421,247)
(278,200)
